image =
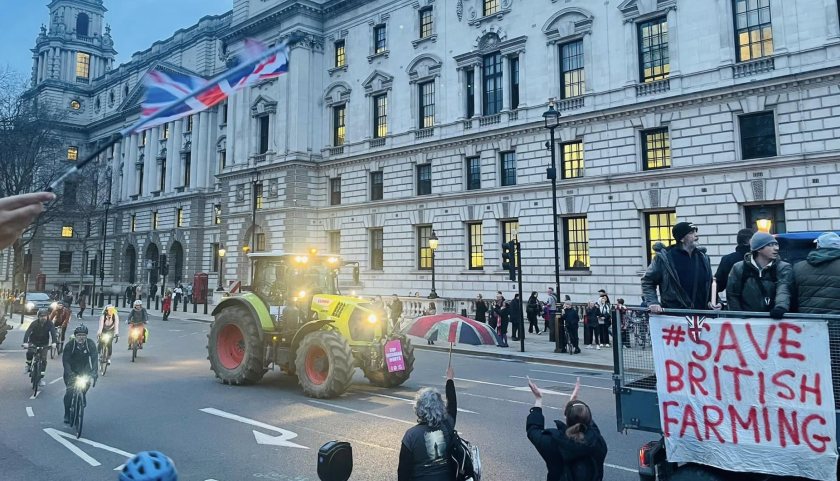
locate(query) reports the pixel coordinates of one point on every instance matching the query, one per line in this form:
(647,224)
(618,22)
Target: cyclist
(60,317)
(149,466)
(109,322)
(137,320)
(38,334)
(79,359)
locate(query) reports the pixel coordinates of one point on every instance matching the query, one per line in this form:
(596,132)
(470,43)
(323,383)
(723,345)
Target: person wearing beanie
(761,282)
(729,260)
(818,277)
(682,273)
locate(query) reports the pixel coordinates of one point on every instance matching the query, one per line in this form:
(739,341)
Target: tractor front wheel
(234,348)
(383,378)
(324,364)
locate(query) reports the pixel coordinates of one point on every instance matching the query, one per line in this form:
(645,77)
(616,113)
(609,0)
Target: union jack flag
(170,96)
(696,327)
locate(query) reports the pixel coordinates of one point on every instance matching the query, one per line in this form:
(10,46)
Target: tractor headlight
(372,319)
(82,382)
(301,294)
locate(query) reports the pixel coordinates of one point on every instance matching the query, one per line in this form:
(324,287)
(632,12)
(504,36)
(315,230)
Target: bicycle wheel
(80,413)
(103,365)
(52,352)
(134,350)
(36,373)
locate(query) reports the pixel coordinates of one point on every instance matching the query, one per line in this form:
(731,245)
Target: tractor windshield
(278,280)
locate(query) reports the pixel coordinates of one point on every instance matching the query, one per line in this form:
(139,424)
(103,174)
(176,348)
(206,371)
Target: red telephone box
(41,282)
(200,288)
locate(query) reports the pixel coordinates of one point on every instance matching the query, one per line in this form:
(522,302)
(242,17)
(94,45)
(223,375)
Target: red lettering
(669,420)
(674,380)
(750,422)
(689,419)
(711,425)
(716,373)
(823,440)
(768,432)
(762,389)
(789,395)
(804,388)
(727,331)
(696,376)
(786,342)
(791,428)
(736,378)
(766,352)
(707,347)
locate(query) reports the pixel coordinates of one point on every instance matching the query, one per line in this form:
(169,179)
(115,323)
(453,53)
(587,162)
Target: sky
(135,25)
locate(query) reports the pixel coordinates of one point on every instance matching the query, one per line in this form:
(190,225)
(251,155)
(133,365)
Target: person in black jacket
(729,260)
(38,334)
(572,321)
(425,452)
(502,310)
(532,310)
(80,358)
(575,449)
(480,309)
(761,282)
(515,313)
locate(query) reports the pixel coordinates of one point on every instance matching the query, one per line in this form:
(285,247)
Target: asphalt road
(169,400)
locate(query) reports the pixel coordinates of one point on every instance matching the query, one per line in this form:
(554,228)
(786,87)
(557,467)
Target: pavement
(170,400)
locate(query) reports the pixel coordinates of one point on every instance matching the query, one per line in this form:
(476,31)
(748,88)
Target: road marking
(544,391)
(461,393)
(58,436)
(336,406)
(56,380)
(262,438)
(553,381)
(35,395)
(29,412)
(603,378)
(409,401)
(622,468)
(485,382)
(9,351)
(175,330)
(570,367)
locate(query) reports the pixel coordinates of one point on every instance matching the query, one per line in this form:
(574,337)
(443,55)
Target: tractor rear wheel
(383,378)
(324,364)
(234,348)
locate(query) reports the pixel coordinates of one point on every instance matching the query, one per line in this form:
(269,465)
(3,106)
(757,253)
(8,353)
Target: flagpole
(80,165)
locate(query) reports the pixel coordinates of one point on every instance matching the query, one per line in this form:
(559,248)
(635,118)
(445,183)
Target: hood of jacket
(823,256)
(749,263)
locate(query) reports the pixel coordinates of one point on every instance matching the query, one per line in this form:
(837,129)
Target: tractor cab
(280,279)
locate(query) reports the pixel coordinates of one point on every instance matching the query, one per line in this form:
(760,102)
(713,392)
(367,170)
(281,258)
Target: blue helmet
(149,466)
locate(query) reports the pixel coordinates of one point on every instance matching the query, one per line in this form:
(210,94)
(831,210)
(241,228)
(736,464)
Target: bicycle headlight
(81,382)
(135,333)
(372,319)
(106,337)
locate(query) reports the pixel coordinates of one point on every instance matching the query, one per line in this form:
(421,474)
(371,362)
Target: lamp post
(221,253)
(433,245)
(552,121)
(107,205)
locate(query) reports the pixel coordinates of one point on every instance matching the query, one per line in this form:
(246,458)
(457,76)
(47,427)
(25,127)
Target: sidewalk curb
(562,359)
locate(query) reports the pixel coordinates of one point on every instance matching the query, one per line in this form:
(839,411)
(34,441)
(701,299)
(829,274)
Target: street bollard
(195,307)
(205,305)
(148,303)
(185,305)
(157,306)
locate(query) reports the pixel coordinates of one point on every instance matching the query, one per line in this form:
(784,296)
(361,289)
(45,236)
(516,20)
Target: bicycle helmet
(149,466)
(138,303)
(80,329)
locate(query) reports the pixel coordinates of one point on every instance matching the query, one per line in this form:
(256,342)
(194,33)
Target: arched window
(82,25)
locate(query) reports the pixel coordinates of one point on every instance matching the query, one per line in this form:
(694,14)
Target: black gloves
(777,312)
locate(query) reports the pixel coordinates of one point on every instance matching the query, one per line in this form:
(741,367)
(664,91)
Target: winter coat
(663,273)
(726,263)
(166,305)
(39,333)
(571,318)
(532,309)
(480,311)
(421,459)
(396,309)
(748,286)
(79,359)
(515,311)
(818,282)
(559,452)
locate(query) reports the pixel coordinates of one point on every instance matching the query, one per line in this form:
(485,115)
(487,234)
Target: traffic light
(509,258)
(163,265)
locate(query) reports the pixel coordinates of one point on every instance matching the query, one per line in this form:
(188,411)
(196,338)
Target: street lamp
(763,223)
(552,121)
(433,245)
(221,253)
(107,205)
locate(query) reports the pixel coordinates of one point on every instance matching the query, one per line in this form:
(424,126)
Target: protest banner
(394,356)
(748,395)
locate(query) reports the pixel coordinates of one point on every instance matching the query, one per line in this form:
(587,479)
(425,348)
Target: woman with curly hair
(426,448)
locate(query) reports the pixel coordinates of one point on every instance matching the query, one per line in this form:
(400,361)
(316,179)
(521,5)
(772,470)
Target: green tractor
(294,318)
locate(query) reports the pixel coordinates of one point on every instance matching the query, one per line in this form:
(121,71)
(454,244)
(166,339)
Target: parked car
(34,301)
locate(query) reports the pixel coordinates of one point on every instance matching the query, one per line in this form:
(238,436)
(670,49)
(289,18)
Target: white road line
(622,468)
(35,395)
(485,382)
(56,380)
(554,381)
(336,406)
(569,367)
(544,391)
(57,435)
(29,412)
(603,378)
(282,440)
(409,401)
(461,393)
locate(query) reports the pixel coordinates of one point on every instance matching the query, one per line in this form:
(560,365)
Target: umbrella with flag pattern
(454,329)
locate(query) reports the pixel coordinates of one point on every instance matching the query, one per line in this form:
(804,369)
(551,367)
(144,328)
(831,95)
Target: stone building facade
(402,118)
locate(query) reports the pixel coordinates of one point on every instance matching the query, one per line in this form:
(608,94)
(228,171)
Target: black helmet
(43,313)
(80,329)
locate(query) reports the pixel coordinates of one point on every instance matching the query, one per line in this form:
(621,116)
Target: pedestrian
(818,278)
(425,451)
(621,313)
(82,303)
(761,282)
(480,309)
(515,313)
(604,317)
(729,260)
(179,293)
(575,450)
(138,292)
(379,308)
(571,320)
(153,290)
(396,309)
(494,316)
(551,307)
(129,293)
(188,293)
(502,310)
(681,272)
(591,331)
(532,310)
(166,305)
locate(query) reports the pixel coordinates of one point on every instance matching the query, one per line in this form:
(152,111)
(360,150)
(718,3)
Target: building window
(88,228)
(164,131)
(470,93)
(656,149)
(753,29)
(427,104)
(187,168)
(155,223)
(514,82)
(380,116)
(82,25)
(492,83)
(476,246)
(335,191)
(258,196)
(217,214)
(576,242)
(473,173)
(215,246)
(654,60)
(65,262)
(340,54)
(571,69)
(508,168)
(72,153)
(510,230)
(162,181)
(376,249)
(339,126)
(571,160)
(224,111)
(424,252)
(426,22)
(775,213)
(82,66)
(188,123)
(142,139)
(179,216)
(334,242)
(376,185)
(490,7)
(259,239)
(424,179)
(223,158)
(264,125)
(133,223)
(75,105)
(141,173)
(67,231)
(758,135)
(658,226)
(379,39)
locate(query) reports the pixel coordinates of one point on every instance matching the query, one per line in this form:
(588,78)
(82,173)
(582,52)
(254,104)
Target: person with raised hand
(17,212)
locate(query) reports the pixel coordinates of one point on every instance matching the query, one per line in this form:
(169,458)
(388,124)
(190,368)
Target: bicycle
(36,369)
(135,334)
(639,331)
(77,405)
(104,358)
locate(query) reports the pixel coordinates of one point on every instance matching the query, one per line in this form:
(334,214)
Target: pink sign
(394,356)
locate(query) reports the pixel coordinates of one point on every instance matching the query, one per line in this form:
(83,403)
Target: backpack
(467,459)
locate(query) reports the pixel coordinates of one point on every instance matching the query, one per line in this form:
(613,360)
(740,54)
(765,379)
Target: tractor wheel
(234,348)
(384,378)
(324,364)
